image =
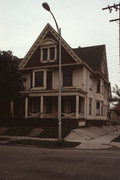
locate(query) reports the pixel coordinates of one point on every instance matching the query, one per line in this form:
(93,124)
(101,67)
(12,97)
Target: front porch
(73,107)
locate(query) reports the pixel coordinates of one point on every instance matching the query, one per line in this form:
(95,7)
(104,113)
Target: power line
(116,7)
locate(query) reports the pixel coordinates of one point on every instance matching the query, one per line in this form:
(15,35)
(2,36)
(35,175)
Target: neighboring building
(85,83)
(115,114)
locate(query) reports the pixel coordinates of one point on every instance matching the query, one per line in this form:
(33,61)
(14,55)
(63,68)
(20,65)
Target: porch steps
(35,132)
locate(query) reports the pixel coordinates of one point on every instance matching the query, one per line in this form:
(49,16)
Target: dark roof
(91,55)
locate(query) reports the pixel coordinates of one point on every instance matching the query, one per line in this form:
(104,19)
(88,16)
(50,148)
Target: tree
(116,99)
(11,81)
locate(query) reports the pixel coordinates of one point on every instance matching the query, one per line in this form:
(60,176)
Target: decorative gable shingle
(32,58)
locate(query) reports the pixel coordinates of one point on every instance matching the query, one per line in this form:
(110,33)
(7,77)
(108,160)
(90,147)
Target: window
(49,80)
(90,106)
(98,108)
(90,83)
(67,77)
(39,79)
(68,104)
(45,54)
(48,54)
(102,109)
(48,103)
(52,53)
(98,86)
(34,105)
(102,88)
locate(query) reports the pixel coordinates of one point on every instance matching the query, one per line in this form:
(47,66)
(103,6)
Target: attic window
(45,54)
(48,54)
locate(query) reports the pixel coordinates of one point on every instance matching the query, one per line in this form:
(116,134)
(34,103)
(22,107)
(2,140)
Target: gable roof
(49,29)
(91,55)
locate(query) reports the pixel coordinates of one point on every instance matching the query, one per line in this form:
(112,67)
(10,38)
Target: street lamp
(47,7)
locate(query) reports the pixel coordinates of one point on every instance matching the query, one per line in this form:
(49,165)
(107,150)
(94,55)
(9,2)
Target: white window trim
(90,82)
(48,56)
(90,107)
(44,79)
(98,109)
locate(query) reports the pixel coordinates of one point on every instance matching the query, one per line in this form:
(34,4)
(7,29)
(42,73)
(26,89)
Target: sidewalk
(90,138)
(95,137)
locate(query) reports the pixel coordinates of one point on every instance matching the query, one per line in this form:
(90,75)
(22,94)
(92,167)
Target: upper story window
(39,79)
(98,86)
(48,54)
(67,77)
(44,53)
(90,83)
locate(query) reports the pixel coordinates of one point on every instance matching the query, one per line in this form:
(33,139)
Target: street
(22,163)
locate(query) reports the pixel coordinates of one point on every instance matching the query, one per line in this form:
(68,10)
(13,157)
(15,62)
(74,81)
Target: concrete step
(35,132)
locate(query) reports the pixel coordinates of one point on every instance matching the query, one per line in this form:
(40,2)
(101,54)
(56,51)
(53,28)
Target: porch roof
(52,92)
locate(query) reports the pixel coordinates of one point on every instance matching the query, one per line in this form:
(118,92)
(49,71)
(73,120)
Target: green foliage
(115,100)
(11,80)
(116,94)
(44,143)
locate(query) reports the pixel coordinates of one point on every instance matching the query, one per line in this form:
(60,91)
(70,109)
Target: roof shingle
(91,55)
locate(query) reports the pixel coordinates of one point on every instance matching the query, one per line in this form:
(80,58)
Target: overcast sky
(82,22)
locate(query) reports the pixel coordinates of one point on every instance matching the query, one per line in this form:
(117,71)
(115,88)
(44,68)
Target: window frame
(44,79)
(90,106)
(98,86)
(90,83)
(98,114)
(34,104)
(63,79)
(48,54)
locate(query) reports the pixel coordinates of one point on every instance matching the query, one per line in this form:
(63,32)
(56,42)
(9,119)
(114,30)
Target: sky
(82,22)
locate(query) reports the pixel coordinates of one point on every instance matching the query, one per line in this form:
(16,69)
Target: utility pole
(117,8)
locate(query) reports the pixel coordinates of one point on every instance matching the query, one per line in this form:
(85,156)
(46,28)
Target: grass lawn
(4,139)
(53,133)
(44,143)
(46,133)
(18,131)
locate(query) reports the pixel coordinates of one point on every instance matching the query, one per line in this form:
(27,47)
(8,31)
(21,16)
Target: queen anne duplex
(85,83)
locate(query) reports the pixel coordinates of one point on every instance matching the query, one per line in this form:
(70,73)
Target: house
(85,83)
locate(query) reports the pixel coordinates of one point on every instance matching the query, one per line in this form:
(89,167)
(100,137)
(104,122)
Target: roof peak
(79,47)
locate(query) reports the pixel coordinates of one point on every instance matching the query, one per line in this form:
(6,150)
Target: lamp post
(47,7)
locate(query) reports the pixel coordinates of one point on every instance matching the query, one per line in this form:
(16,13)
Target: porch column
(26,107)
(12,108)
(41,106)
(77,106)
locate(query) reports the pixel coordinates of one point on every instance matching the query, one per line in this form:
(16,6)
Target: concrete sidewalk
(95,137)
(89,138)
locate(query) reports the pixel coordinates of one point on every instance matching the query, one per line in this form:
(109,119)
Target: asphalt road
(27,163)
